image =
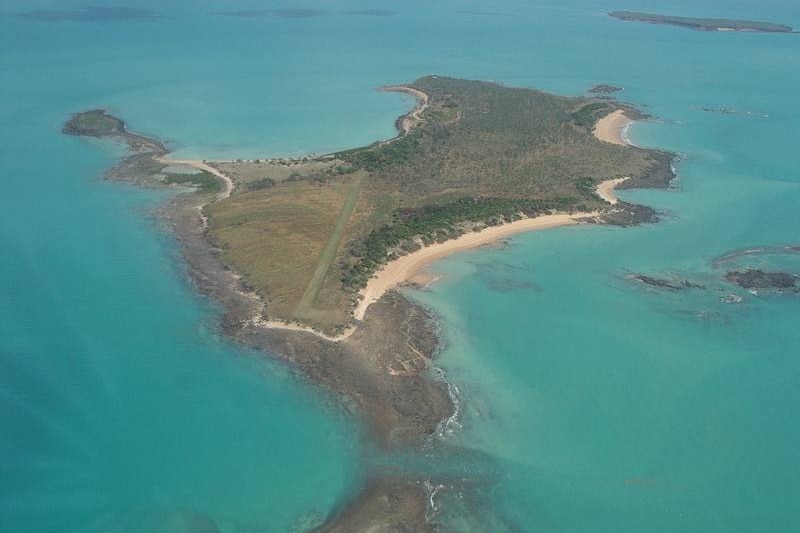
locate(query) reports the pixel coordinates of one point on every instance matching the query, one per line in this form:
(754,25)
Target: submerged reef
(759,279)
(667,283)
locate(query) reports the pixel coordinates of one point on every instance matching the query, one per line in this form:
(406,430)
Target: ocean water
(594,403)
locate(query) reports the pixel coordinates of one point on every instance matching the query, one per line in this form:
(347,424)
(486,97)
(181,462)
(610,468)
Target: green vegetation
(437,223)
(98,123)
(587,116)
(506,142)
(703,24)
(264,173)
(308,234)
(384,155)
(95,123)
(276,238)
(261,183)
(204,181)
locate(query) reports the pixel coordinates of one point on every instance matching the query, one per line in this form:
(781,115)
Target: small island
(304,253)
(703,24)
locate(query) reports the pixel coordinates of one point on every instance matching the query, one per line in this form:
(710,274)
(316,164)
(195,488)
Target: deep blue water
(601,405)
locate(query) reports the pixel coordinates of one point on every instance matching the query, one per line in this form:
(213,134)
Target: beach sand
(606,190)
(405,268)
(611,128)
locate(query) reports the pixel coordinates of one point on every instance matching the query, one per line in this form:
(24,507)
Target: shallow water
(590,402)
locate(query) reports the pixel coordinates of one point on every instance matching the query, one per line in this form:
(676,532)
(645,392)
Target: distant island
(304,253)
(703,24)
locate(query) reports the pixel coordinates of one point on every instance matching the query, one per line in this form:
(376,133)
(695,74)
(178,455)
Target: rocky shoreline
(381,372)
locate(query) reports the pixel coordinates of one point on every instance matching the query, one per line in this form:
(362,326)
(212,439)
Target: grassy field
(306,307)
(276,240)
(262,173)
(308,234)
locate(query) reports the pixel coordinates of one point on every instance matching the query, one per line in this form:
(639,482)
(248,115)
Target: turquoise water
(594,403)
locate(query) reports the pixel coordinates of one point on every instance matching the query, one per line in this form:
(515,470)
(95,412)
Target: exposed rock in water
(603,88)
(732,111)
(626,214)
(730,299)
(758,279)
(658,176)
(384,504)
(667,283)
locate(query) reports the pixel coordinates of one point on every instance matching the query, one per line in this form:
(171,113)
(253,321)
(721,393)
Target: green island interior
(307,234)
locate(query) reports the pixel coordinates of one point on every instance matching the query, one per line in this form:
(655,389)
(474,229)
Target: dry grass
(295,229)
(276,239)
(250,171)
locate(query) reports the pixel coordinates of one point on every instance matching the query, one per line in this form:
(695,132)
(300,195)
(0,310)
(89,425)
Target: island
(304,254)
(703,24)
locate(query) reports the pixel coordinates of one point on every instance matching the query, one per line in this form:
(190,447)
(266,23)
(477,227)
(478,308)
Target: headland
(304,253)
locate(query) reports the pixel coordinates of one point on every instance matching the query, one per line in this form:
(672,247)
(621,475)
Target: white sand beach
(400,270)
(611,128)
(606,190)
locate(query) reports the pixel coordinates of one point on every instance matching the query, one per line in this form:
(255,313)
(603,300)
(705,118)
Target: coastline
(200,165)
(605,190)
(408,121)
(403,269)
(380,368)
(612,128)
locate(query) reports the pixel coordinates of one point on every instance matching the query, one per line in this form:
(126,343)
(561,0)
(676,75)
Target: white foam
(452,424)
(625,134)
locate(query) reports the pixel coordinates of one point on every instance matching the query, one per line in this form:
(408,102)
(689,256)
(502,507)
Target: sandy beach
(279,324)
(408,267)
(611,128)
(400,270)
(606,190)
